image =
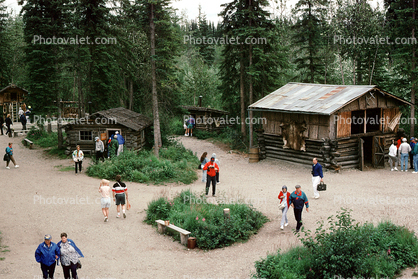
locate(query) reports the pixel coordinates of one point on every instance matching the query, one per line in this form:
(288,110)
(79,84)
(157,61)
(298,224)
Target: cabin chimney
(200,100)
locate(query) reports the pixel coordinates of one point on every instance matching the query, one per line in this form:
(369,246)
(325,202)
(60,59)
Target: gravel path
(39,199)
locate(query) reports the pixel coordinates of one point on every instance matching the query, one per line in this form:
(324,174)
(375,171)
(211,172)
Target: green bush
(347,250)
(42,138)
(176,164)
(206,221)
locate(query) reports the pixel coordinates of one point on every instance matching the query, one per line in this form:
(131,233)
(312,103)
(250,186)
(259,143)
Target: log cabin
(12,98)
(207,119)
(131,125)
(344,126)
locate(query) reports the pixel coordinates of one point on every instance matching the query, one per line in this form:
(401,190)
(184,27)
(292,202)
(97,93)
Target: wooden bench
(184,235)
(17,132)
(26,142)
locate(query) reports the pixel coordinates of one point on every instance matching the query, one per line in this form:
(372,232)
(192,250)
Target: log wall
(343,153)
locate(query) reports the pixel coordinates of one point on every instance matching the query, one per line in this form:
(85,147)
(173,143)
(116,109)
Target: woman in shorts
(104,190)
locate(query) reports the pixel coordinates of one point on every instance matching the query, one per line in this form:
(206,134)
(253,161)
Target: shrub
(176,164)
(206,221)
(348,250)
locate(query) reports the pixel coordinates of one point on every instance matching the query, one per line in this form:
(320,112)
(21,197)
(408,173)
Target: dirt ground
(40,199)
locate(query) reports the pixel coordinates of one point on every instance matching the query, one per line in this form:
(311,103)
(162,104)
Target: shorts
(120,199)
(190,126)
(105,202)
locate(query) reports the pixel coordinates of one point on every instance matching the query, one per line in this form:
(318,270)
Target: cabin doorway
(112,132)
(372,151)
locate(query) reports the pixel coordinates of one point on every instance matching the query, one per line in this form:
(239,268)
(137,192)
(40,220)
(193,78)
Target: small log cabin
(208,119)
(12,98)
(131,125)
(344,126)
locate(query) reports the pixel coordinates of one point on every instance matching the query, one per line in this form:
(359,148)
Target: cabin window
(14,96)
(86,135)
(373,120)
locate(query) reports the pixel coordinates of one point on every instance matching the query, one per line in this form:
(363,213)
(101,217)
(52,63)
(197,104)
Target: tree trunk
(242,94)
(412,130)
(157,133)
(131,94)
(59,129)
(80,95)
(251,84)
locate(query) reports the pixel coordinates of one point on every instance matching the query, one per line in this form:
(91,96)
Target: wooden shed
(131,125)
(208,119)
(344,126)
(11,98)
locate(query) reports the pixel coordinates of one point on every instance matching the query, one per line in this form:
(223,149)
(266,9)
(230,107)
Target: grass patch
(3,249)
(65,168)
(175,164)
(206,221)
(46,140)
(345,250)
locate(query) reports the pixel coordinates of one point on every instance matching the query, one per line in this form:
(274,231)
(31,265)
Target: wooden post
(361,153)
(227,213)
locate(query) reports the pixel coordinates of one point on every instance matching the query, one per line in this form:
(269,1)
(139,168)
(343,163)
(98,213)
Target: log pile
(345,153)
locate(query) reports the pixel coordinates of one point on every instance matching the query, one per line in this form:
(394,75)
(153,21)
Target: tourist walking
(393,158)
(317,177)
(104,190)
(203,161)
(23,121)
(411,156)
(78,157)
(1,123)
(121,142)
(8,123)
(113,147)
(211,167)
(190,126)
(298,200)
(9,156)
(120,195)
(217,172)
(46,254)
(284,196)
(404,150)
(70,255)
(414,153)
(99,148)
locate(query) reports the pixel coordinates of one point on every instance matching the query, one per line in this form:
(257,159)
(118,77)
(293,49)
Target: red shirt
(399,143)
(211,171)
(281,196)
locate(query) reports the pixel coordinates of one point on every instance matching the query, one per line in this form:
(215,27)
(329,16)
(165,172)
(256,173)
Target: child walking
(104,190)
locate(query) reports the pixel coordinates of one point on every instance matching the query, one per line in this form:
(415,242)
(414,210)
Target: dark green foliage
(42,138)
(345,249)
(176,164)
(206,221)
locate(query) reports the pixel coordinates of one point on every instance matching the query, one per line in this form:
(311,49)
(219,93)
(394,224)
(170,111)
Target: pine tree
(308,39)
(4,75)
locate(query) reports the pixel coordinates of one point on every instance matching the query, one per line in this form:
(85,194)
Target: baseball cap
(48,237)
(404,139)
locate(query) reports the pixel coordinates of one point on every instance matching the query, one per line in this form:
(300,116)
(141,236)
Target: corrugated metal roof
(314,98)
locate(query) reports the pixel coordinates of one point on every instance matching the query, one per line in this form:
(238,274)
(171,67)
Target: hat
(404,139)
(96,138)
(284,187)
(412,138)
(115,136)
(297,186)
(117,132)
(48,237)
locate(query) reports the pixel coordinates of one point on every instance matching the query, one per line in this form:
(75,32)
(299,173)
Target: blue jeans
(416,162)
(404,160)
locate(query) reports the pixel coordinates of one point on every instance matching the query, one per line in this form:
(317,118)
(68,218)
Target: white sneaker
(391,170)
(286,224)
(118,216)
(401,170)
(8,168)
(396,169)
(414,172)
(406,170)
(186,135)
(191,135)
(282,228)
(16,166)
(317,197)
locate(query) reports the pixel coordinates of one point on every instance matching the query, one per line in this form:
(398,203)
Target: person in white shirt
(404,150)
(393,159)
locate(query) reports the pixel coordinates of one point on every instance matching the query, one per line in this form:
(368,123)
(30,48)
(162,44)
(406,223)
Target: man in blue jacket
(121,142)
(317,177)
(46,254)
(297,200)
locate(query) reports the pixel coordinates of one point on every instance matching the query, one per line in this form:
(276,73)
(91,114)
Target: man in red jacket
(211,168)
